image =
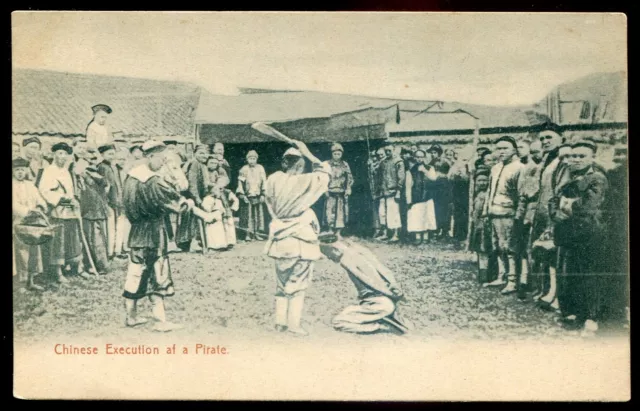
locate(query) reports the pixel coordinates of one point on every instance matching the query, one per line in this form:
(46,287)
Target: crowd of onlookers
(548,223)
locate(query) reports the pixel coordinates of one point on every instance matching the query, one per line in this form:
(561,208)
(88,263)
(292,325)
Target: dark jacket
(111,175)
(579,214)
(93,197)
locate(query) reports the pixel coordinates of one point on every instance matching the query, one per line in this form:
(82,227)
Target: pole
(476,141)
(86,246)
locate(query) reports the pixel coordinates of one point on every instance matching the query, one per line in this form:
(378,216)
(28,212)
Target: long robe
(221,233)
(95,210)
(189,227)
(251,183)
(336,208)
(294,228)
(66,247)
(147,199)
(114,197)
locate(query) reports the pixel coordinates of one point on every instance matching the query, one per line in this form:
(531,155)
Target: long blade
(272,132)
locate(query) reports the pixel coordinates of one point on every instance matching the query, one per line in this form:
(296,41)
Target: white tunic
(98,135)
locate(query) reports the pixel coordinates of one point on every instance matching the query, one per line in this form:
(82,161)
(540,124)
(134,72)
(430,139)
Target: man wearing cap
(147,199)
(378,290)
(26,199)
(293,231)
(108,169)
(543,263)
(580,232)
(251,185)
(500,207)
(95,209)
(391,176)
(32,153)
(59,187)
(336,207)
(98,133)
(198,177)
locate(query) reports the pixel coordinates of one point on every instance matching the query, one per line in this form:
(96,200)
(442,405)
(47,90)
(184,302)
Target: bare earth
(231,294)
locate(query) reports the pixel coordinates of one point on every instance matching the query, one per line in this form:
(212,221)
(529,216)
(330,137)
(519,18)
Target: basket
(35,229)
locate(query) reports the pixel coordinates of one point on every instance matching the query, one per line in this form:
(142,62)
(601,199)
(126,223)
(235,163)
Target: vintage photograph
(320,206)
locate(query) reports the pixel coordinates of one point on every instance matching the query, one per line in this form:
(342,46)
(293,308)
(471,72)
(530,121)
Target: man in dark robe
(336,210)
(197,174)
(93,204)
(108,169)
(579,230)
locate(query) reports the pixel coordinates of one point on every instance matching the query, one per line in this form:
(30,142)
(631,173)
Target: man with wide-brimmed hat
(293,231)
(251,185)
(336,207)
(59,187)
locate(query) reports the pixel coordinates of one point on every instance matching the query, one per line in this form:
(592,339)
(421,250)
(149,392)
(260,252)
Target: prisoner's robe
(294,228)
(26,198)
(378,290)
(98,135)
(251,183)
(189,226)
(147,199)
(56,186)
(336,206)
(111,175)
(95,210)
(221,234)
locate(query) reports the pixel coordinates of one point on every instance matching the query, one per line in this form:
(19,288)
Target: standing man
(108,169)
(122,224)
(251,185)
(293,231)
(336,206)
(409,160)
(435,151)
(32,153)
(375,159)
(197,174)
(392,175)
(544,261)
(581,233)
(500,207)
(529,188)
(147,199)
(98,133)
(58,186)
(95,210)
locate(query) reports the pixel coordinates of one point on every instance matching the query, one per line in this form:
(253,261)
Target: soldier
(391,176)
(251,185)
(500,207)
(98,133)
(293,231)
(336,207)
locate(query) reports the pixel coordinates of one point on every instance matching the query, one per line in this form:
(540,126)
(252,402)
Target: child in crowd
(221,234)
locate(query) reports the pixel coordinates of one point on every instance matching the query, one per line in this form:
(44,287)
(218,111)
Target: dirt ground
(231,293)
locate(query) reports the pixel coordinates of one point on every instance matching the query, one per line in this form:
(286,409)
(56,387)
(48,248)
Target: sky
(494,59)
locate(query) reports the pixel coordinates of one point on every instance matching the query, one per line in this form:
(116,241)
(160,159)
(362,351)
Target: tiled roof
(48,102)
